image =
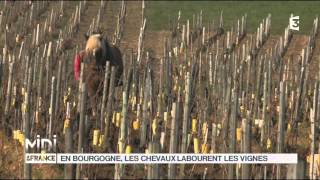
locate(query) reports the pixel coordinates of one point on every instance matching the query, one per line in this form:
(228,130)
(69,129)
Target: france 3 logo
(294,23)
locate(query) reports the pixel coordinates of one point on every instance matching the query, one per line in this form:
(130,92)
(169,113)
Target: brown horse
(96,54)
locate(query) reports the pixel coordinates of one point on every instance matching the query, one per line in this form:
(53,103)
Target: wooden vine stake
(81,125)
(172,168)
(109,110)
(314,131)
(27,172)
(232,132)
(282,110)
(69,169)
(186,119)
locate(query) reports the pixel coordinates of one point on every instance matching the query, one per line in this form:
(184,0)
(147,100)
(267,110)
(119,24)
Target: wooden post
(248,74)
(149,166)
(86,132)
(258,87)
(314,132)
(264,109)
(109,108)
(299,99)
(27,172)
(142,11)
(145,114)
(246,168)
(221,20)
(155,167)
(80,85)
(135,86)
(213,139)
(48,68)
(39,90)
(188,33)
(81,124)
(104,96)
(31,15)
(186,119)
(35,66)
(58,89)
(8,95)
(232,131)
(69,169)
(61,8)
(51,109)
(37,35)
(123,128)
(226,108)
(65,72)
(172,168)
(282,110)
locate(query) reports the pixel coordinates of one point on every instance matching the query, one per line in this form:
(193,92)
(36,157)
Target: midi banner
(164,158)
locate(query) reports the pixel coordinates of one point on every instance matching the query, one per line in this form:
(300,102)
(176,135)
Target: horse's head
(95,53)
(96,45)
